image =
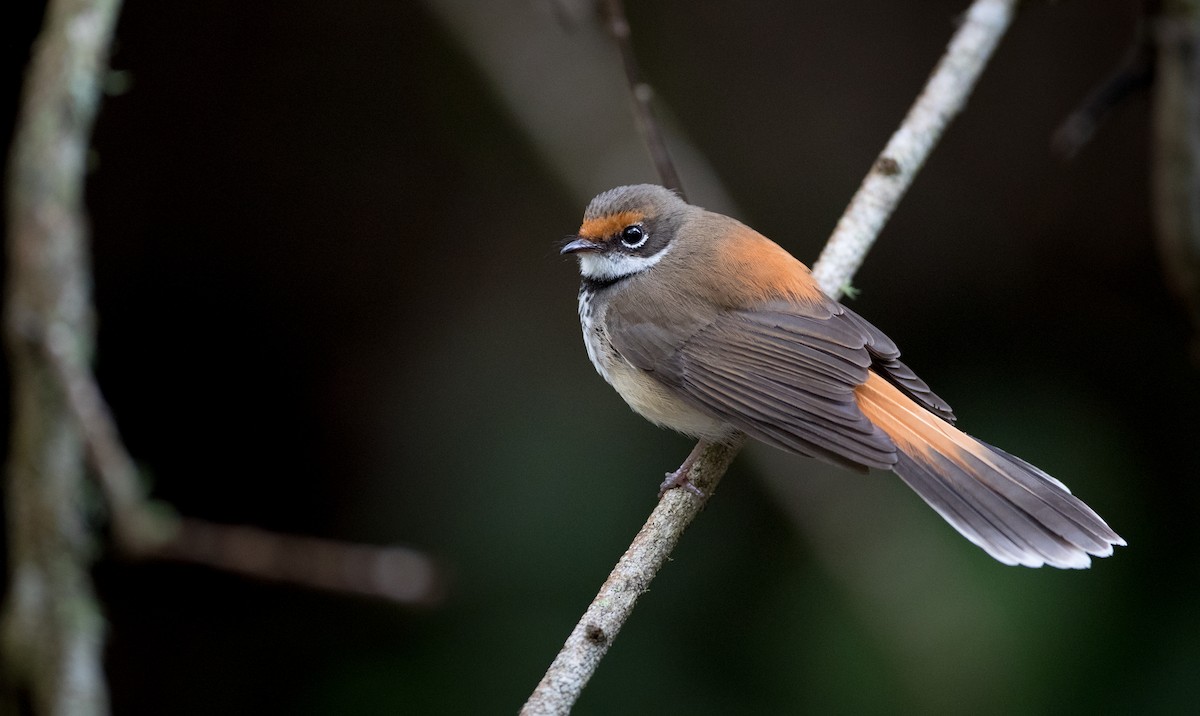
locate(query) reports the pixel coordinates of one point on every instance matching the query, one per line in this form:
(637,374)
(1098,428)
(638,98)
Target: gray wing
(886,362)
(783,373)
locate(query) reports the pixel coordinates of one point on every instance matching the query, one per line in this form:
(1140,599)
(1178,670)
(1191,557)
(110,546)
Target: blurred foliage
(330,303)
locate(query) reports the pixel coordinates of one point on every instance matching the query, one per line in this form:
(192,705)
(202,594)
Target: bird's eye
(633,236)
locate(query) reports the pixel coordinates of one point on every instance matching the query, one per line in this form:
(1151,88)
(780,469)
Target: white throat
(612,266)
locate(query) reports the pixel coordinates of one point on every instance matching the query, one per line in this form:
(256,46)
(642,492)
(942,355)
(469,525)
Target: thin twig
(1134,73)
(144,529)
(942,99)
(134,527)
(642,93)
(397,574)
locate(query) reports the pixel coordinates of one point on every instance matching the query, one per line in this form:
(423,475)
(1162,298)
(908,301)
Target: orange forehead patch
(604,226)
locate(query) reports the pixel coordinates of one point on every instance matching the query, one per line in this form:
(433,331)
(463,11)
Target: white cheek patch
(614,265)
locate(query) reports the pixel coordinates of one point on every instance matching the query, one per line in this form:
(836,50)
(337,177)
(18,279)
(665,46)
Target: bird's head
(626,231)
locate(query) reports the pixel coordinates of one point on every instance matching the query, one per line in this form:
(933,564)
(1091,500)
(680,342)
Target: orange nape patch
(765,271)
(603,227)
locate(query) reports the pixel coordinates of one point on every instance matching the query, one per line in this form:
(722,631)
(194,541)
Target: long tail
(1014,511)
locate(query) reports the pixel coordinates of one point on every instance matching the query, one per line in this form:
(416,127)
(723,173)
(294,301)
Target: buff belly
(646,396)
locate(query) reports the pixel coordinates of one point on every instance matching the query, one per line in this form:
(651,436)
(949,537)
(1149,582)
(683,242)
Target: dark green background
(330,303)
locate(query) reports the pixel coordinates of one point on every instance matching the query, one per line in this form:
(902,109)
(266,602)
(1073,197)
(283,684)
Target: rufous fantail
(709,328)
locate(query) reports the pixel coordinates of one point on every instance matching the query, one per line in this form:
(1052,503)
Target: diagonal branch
(942,99)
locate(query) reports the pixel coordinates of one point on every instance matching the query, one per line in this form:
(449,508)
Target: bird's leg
(679,478)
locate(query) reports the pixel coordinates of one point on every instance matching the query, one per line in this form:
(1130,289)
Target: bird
(707,327)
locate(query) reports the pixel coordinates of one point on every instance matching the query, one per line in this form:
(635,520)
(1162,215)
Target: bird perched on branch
(709,328)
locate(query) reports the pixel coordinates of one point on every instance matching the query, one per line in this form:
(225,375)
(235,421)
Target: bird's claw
(679,478)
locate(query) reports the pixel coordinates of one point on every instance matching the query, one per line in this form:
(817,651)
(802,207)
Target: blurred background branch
(145,529)
(588,139)
(52,627)
(641,94)
(1175,171)
(942,99)
(53,632)
(1133,73)
(1164,56)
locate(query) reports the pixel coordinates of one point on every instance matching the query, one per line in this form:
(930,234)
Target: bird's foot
(679,478)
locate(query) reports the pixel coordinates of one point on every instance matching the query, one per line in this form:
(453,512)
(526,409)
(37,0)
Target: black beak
(582,245)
